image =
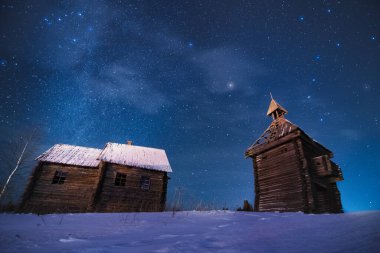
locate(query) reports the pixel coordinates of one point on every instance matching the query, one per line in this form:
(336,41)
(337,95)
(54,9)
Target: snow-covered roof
(71,155)
(137,156)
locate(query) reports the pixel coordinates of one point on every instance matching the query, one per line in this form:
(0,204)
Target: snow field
(190,231)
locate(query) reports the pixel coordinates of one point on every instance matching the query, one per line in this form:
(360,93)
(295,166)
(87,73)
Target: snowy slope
(215,231)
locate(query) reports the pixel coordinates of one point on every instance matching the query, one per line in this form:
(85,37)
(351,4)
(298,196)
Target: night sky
(193,78)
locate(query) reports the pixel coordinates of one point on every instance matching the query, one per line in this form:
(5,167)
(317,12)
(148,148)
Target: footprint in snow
(167,236)
(163,250)
(71,239)
(254,215)
(189,235)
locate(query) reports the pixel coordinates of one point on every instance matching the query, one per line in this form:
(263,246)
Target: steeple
(275,110)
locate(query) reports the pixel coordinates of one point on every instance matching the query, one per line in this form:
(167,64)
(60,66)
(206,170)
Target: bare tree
(17,153)
(177,202)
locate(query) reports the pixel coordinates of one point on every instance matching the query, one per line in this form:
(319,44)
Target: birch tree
(16,154)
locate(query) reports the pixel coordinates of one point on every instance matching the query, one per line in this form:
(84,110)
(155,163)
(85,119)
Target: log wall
(325,191)
(131,198)
(308,197)
(74,195)
(279,184)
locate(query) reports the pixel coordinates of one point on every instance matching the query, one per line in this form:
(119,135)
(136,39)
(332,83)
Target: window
(120,179)
(145,183)
(59,177)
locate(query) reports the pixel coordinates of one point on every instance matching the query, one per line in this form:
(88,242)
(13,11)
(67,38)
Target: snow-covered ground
(214,231)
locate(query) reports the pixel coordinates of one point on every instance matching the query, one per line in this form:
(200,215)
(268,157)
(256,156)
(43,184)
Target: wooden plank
(87,190)
(77,189)
(131,197)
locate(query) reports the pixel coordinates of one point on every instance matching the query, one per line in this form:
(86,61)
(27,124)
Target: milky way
(193,78)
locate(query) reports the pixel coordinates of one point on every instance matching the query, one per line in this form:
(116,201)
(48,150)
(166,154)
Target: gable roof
(137,156)
(71,155)
(277,129)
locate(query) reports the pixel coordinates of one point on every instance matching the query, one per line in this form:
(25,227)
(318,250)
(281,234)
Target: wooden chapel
(292,171)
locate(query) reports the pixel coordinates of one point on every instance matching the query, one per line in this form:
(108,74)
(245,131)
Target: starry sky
(193,78)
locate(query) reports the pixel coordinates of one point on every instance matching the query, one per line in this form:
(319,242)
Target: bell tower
(292,171)
(275,109)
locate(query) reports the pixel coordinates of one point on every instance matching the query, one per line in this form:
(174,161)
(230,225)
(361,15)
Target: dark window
(145,183)
(120,179)
(59,177)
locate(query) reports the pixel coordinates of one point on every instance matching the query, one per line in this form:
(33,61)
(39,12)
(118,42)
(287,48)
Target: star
(230,85)
(301,18)
(338,44)
(366,87)
(47,21)
(190,44)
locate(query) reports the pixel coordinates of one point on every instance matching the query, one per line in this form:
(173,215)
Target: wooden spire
(275,109)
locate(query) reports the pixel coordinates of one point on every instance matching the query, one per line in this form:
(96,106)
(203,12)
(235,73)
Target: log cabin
(292,171)
(118,178)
